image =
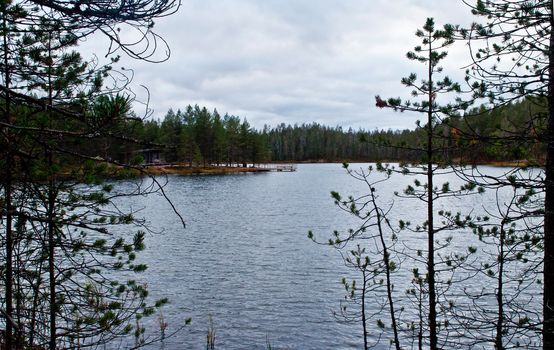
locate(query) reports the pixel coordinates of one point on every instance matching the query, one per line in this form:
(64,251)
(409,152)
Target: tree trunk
(8,198)
(548,283)
(430,228)
(51,213)
(500,292)
(386,260)
(364,321)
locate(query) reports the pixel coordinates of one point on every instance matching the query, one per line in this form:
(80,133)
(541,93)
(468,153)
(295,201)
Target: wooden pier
(186,169)
(276,167)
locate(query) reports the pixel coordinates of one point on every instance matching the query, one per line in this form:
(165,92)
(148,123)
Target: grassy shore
(186,170)
(180,169)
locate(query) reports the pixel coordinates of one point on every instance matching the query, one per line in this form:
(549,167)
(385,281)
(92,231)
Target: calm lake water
(244,258)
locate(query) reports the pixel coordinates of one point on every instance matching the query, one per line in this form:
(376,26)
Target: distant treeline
(197,136)
(481,135)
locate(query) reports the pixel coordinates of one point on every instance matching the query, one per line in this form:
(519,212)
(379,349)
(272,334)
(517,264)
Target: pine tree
(513,58)
(430,52)
(55,210)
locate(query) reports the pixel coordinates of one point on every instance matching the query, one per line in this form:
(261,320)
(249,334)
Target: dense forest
(68,272)
(197,136)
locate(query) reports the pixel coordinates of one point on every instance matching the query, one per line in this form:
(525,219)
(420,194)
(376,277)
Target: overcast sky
(293,61)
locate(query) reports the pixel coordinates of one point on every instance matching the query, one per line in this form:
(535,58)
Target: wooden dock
(276,167)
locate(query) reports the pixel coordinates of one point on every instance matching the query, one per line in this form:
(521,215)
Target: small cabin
(151,156)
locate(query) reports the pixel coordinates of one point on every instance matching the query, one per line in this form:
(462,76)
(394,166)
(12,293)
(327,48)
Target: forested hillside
(198,136)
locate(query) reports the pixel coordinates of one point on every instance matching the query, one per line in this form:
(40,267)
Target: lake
(245,261)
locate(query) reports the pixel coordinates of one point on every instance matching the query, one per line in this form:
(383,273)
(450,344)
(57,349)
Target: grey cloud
(292,61)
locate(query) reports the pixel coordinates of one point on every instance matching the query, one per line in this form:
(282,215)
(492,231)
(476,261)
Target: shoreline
(521,163)
(197,170)
(180,169)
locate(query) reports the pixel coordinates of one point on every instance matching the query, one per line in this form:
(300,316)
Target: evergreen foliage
(449,305)
(512,57)
(226,140)
(69,263)
(199,137)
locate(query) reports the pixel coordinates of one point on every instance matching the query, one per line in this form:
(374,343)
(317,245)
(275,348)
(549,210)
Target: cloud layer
(293,61)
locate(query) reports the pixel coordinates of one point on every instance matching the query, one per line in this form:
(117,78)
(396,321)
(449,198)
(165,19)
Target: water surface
(244,258)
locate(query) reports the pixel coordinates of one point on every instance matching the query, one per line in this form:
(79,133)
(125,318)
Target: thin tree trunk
(18,285)
(8,197)
(51,213)
(430,229)
(548,301)
(420,307)
(9,257)
(52,277)
(386,261)
(364,321)
(499,294)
